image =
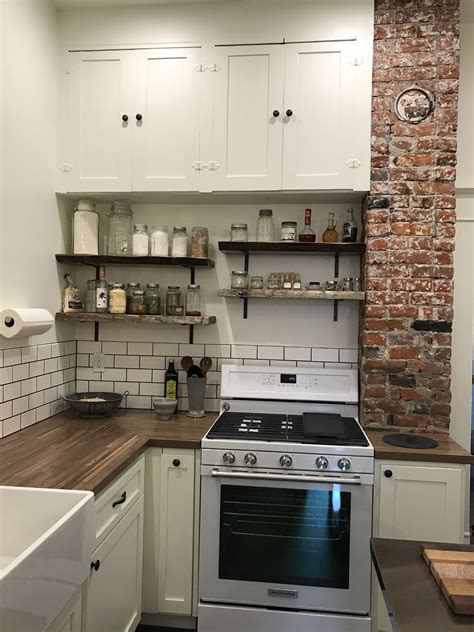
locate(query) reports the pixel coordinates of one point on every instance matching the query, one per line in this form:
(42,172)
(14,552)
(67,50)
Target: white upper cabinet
(247,145)
(166,138)
(97,145)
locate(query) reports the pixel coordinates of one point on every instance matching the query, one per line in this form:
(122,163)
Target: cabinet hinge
(353,163)
(201,68)
(199,165)
(65,167)
(68,70)
(212,165)
(356,61)
(214,68)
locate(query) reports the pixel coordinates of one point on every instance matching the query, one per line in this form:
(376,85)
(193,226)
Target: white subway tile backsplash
(6,375)
(1,394)
(44,352)
(57,378)
(11,356)
(131,387)
(28,419)
(36,368)
(86,373)
(82,386)
(36,399)
(138,375)
(337,365)
(140,348)
(127,362)
(20,405)
(28,386)
(1,359)
(253,362)
(218,351)
(51,394)
(43,412)
(108,387)
(348,355)
(155,390)
(282,362)
(69,375)
(139,401)
(63,363)
(21,372)
(70,347)
(114,348)
(222,361)
(43,382)
(109,361)
(195,351)
(57,407)
(325,355)
(51,365)
(270,353)
(11,391)
(89,346)
(82,359)
(57,349)
(6,410)
(29,354)
(244,351)
(297,353)
(310,365)
(111,375)
(166,349)
(11,425)
(211,405)
(159,376)
(152,362)
(214,377)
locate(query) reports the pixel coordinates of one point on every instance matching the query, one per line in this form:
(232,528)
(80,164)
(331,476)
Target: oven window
(285,536)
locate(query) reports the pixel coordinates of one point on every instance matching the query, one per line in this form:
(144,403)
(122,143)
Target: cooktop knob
(229,458)
(344,464)
(322,463)
(286,460)
(250,459)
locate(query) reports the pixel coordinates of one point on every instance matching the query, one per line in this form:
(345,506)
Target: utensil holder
(196,395)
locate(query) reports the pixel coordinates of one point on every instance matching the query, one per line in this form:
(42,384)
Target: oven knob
(344,464)
(322,463)
(228,458)
(286,460)
(250,459)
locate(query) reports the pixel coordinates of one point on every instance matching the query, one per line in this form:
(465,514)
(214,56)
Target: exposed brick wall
(409,217)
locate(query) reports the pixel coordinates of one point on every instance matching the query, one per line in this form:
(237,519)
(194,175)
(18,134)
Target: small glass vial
(193,300)
(239,232)
(331,235)
(357,285)
(307,235)
(296,281)
(256,283)
(140,240)
(159,241)
(101,295)
(288,231)
(349,228)
(173,300)
(347,284)
(179,242)
(153,299)
(199,242)
(118,299)
(240,280)
(137,305)
(90,296)
(130,289)
(265,225)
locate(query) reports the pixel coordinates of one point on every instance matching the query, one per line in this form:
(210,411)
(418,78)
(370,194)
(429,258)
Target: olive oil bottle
(171,382)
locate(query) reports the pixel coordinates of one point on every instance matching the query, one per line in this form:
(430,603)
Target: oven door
(286,540)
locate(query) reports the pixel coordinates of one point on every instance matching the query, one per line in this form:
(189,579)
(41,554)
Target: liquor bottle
(171,382)
(330,234)
(349,228)
(307,234)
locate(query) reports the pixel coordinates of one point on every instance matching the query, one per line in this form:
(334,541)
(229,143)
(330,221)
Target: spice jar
(313,285)
(331,286)
(347,284)
(357,286)
(159,241)
(265,225)
(193,300)
(256,283)
(118,299)
(240,280)
(273,282)
(90,296)
(239,232)
(199,242)
(130,289)
(288,231)
(152,299)
(140,240)
(85,229)
(295,281)
(173,300)
(120,229)
(179,242)
(137,305)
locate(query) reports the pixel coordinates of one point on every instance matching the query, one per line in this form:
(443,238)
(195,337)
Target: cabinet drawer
(117,498)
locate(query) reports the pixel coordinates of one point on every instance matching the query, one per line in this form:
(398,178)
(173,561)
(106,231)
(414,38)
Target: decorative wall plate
(414,104)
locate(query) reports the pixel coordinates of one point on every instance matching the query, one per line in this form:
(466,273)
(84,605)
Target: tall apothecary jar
(120,229)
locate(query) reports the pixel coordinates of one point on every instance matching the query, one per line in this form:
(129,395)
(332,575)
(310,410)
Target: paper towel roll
(23,322)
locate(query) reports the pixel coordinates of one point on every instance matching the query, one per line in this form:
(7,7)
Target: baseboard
(169,621)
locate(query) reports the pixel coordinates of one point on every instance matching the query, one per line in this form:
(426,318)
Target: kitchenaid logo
(274,592)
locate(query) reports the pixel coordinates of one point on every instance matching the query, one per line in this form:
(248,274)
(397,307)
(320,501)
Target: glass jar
(240,280)
(101,294)
(140,240)
(85,236)
(193,300)
(273,282)
(173,300)
(331,235)
(314,285)
(159,241)
(331,286)
(137,305)
(347,284)
(118,299)
(90,296)
(152,299)
(288,231)
(256,283)
(199,242)
(357,285)
(239,232)
(131,287)
(265,225)
(110,285)
(120,229)
(179,242)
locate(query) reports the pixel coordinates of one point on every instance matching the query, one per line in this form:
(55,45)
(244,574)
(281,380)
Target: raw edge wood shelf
(261,247)
(84,317)
(293,294)
(103,260)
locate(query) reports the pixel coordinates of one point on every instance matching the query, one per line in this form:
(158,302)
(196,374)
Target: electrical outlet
(98,362)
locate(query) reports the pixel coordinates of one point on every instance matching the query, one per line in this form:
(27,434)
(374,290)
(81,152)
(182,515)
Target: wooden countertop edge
(448,451)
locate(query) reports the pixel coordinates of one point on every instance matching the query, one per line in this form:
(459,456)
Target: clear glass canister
(265,225)
(239,232)
(118,299)
(199,242)
(152,299)
(140,240)
(120,229)
(159,241)
(288,231)
(85,234)
(137,305)
(256,283)
(173,300)
(193,300)
(131,287)
(240,280)
(90,296)
(179,242)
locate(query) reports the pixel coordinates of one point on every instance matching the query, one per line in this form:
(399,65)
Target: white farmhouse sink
(46,541)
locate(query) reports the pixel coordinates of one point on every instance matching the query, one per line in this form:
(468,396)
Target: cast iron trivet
(410,441)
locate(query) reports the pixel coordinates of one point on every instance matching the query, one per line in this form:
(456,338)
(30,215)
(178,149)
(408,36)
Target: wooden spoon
(187,362)
(205,365)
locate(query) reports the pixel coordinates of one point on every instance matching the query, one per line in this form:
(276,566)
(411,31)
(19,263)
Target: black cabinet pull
(176,462)
(124,118)
(95,565)
(388,473)
(276,113)
(139,117)
(289,112)
(122,499)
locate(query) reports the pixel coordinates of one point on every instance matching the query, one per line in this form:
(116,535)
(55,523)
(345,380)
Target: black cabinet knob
(95,565)
(276,113)
(289,112)
(176,462)
(139,117)
(124,118)
(121,500)
(388,473)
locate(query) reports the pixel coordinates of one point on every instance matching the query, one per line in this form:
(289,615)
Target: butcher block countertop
(448,451)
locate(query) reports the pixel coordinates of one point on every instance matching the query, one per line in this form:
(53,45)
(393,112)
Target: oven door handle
(297,478)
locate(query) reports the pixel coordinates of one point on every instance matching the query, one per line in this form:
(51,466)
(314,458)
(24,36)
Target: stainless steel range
(286,504)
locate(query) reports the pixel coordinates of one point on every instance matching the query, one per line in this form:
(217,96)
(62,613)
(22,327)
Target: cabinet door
(319,134)
(175,579)
(166,139)
(247,138)
(70,618)
(114,591)
(98,140)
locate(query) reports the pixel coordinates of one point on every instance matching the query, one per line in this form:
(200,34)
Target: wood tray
(452,566)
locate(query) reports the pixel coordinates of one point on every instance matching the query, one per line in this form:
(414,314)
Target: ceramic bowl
(164,407)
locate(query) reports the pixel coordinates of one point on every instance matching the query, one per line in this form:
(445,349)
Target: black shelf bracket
(246,300)
(336,311)
(336,265)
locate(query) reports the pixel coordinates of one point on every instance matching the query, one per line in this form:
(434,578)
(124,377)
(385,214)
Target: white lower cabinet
(416,501)
(69,620)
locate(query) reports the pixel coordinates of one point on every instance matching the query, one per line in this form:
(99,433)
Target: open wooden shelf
(294,294)
(295,247)
(103,260)
(85,317)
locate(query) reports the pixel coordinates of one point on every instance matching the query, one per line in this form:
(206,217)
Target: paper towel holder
(9,321)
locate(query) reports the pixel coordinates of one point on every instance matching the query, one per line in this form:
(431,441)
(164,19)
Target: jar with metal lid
(239,232)
(137,305)
(273,282)
(256,283)
(130,289)
(331,286)
(193,300)
(118,299)
(288,231)
(357,285)
(199,242)
(85,223)
(159,241)
(90,296)
(265,225)
(313,285)
(347,284)
(120,229)
(140,240)
(173,300)
(240,280)
(179,242)
(153,299)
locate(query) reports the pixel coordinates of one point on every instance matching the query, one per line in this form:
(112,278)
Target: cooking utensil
(205,365)
(195,371)
(79,402)
(186,363)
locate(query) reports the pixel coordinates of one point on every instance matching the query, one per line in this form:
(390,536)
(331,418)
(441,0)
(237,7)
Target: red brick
(372,340)
(418,366)
(415,160)
(374,391)
(380,324)
(403,353)
(413,394)
(402,311)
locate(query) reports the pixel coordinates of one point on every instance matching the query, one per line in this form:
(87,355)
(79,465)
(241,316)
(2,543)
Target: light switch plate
(98,362)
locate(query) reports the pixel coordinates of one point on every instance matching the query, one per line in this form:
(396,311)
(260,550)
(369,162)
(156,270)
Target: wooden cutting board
(452,566)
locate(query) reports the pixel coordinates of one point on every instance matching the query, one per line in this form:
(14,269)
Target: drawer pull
(176,462)
(122,499)
(95,565)
(388,473)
